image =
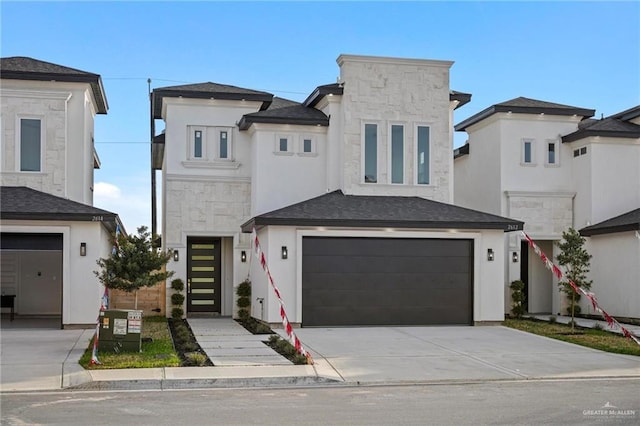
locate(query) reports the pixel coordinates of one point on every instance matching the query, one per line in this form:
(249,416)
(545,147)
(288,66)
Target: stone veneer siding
(394,91)
(205,206)
(547,216)
(52,112)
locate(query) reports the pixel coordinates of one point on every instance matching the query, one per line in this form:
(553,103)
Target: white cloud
(102,190)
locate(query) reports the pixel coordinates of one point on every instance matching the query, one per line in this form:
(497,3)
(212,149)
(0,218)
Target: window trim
(416,156)
(363,151)
(191,132)
(314,146)
(556,150)
(18,142)
(523,143)
(391,124)
(290,141)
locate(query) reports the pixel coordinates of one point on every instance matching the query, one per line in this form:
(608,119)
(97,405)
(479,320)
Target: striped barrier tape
(611,321)
(283,314)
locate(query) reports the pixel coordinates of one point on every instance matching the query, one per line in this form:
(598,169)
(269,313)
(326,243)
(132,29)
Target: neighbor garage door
(386,281)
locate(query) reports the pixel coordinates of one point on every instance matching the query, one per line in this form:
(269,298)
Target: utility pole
(154,227)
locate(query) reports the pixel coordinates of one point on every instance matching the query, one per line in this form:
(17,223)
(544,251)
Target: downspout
(154,227)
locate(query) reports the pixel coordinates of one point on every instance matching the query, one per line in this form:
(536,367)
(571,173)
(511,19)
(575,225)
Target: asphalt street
(524,402)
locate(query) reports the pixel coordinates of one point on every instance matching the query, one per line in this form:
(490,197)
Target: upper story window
(197,143)
(527,152)
(422,154)
(223,148)
(30,145)
(370,153)
(307,146)
(580,151)
(210,143)
(397,153)
(553,153)
(283,144)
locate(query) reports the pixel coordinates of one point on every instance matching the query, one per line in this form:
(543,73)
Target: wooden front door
(203,275)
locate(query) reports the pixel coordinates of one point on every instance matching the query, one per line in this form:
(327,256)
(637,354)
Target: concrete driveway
(419,354)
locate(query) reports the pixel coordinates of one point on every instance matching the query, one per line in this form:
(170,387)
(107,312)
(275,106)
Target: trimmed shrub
(177,284)
(177,299)
(177,313)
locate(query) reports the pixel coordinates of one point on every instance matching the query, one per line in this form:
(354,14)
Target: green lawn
(596,339)
(157,353)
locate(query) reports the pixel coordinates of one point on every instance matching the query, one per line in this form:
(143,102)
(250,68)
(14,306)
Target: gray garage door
(386,281)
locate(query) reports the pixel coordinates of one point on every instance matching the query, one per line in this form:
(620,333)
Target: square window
(576,152)
(30,145)
(583,150)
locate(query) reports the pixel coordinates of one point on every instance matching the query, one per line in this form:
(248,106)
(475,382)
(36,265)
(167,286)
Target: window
(423,155)
(580,151)
(30,145)
(527,152)
(552,153)
(197,144)
(307,146)
(224,145)
(397,153)
(283,145)
(371,153)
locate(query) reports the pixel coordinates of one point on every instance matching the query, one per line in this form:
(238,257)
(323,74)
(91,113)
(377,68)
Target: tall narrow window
(552,152)
(197,144)
(527,151)
(30,145)
(224,145)
(423,155)
(371,153)
(397,154)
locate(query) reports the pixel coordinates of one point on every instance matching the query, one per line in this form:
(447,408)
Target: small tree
(133,264)
(574,257)
(518,298)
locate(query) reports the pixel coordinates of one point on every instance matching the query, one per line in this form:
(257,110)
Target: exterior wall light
(83,249)
(176,255)
(514,257)
(285,252)
(490,255)
(243,256)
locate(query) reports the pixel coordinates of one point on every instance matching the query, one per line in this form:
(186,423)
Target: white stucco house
(553,167)
(51,233)
(350,193)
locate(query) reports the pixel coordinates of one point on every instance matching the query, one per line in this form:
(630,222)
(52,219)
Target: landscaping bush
(177,313)
(177,299)
(518,298)
(177,284)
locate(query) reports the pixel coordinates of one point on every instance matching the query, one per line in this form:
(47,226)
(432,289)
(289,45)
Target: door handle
(188,286)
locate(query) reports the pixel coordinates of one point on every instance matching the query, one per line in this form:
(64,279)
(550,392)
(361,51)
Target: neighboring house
(51,235)
(553,167)
(349,192)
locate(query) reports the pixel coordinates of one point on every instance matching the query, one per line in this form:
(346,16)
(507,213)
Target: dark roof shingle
(208,90)
(522,105)
(22,203)
(606,127)
(337,209)
(25,68)
(629,221)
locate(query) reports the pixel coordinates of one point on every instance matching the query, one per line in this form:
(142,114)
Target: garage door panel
(378,281)
(385,264)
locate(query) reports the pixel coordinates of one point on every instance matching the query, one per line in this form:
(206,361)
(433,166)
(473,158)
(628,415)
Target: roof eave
(586,232)
(159,95)
(582,134)
(246,121)
(494,109)
(356,223)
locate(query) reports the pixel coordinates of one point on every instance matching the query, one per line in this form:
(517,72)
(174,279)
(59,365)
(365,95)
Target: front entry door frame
(204,283)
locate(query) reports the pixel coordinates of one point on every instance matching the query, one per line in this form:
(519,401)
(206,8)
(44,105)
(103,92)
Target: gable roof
(522,105)
(606,127)
(322,91)
(22,203)
(208,90)
(629,221)
(338,209)
(25,68)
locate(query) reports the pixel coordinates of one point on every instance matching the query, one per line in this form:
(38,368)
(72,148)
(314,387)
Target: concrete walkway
(47,359)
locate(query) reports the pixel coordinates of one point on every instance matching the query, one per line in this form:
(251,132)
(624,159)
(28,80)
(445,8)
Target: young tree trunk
(573,308)
(135,305)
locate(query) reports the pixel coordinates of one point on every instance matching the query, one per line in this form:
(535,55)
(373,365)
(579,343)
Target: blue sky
(584,54)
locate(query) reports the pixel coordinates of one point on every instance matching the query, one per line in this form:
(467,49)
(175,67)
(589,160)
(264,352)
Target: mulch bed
(187,347)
